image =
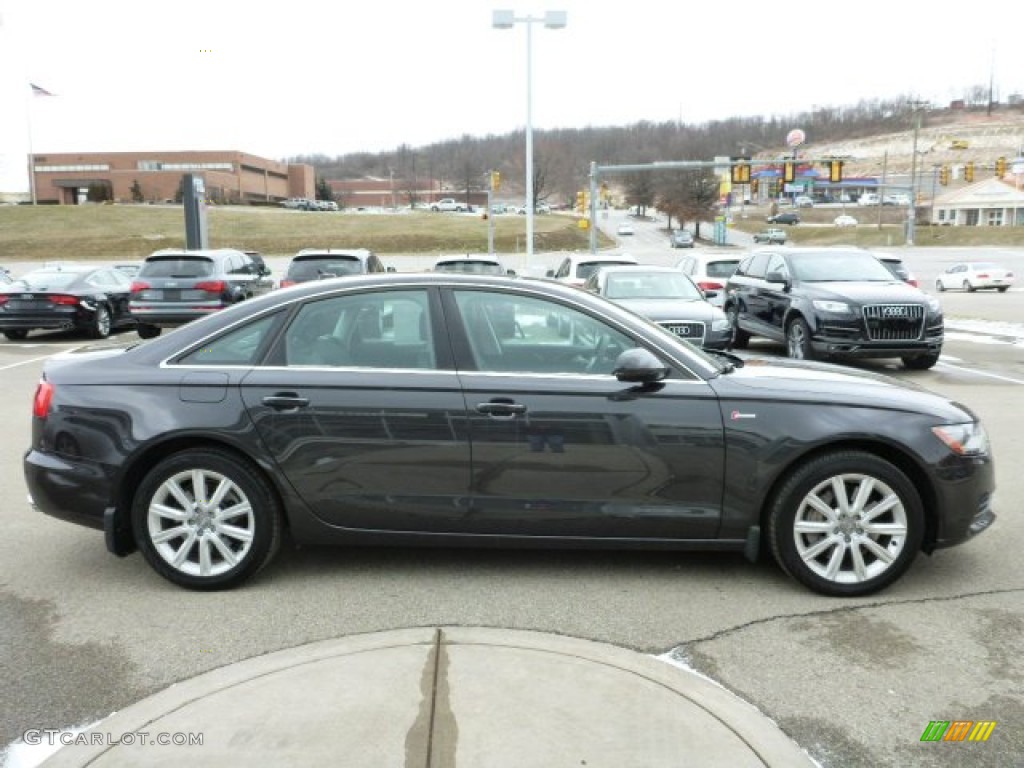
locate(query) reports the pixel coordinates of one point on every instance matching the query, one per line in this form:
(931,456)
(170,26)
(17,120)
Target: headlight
(963,439)
(720,323)
(837,307)
(933,305)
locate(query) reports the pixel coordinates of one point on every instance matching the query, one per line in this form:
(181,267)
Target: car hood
(866,291)
(672,309)
(813,384)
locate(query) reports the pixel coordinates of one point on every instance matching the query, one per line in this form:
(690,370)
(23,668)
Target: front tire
(206,519)
(940,286)
(921,362)
(846,524)
(147,331)
(100,328)
(968,287)
(16,335)
(798,340)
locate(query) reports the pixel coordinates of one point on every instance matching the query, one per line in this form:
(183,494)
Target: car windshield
(177,266)
(838,267)
(335,266)
(650,285)
(586,268)
(722,268)
(45,281)
(476,267)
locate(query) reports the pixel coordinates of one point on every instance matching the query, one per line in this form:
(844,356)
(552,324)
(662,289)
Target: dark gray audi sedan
(443,409)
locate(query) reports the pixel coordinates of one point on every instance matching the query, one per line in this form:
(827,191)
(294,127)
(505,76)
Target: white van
(868,198)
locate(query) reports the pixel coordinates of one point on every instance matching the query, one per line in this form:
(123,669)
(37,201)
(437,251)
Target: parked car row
(169,288)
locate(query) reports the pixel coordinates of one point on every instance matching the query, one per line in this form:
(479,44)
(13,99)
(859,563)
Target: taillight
(286,283)
(707,285)
(213,286)
(43,398)
(982,276)
(138,286)
(66,301)
(4,300)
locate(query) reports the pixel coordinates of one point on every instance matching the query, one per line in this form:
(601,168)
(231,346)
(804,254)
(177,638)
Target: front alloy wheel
(798,340)
(206,519)
(846,524)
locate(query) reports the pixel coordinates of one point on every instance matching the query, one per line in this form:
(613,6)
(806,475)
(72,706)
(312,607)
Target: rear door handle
(285,401)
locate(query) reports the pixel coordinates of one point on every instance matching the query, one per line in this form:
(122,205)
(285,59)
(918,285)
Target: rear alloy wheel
(798,340)
(16,335)
(147,331)
(846,524)
(921,362)
(205,519)
(100,328)
(740,338)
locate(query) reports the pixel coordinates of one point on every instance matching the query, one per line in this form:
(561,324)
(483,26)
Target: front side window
(510,333)
(381,329)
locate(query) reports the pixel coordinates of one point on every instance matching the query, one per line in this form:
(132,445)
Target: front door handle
(501,409)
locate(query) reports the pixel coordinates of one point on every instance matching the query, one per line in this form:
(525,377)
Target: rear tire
(968,287)
(740,338)
(16,335)
(206,519)
(940,286)
(147,331)
(100,328)
(1002,288)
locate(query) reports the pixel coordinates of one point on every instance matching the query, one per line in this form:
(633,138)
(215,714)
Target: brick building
(229,177)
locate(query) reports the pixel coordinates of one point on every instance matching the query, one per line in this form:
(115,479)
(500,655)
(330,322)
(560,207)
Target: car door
(561,448)
(362,411)
(118,289)
(753,296)
(774,297)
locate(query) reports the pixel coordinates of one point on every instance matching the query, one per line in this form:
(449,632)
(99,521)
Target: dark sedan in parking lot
(81,297)
(441,409)
(668,298)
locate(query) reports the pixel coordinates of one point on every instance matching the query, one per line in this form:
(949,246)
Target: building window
(72,168)
(994,217)
(156,165)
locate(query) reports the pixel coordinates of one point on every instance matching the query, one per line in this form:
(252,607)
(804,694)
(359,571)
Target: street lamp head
(554,19)
(503,19)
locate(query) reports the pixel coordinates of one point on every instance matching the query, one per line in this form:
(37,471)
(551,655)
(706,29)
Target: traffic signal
(1000,167)
(495,180)
(789,172)
(753,186)
(969,172)
(944,175)
(835,171)
(581,200)
(741,171)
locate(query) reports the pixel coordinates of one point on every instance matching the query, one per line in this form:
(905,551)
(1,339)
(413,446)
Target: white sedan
(845,220)
(975,275)
(626,229)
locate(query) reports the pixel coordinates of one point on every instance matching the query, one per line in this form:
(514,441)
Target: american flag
(37,91)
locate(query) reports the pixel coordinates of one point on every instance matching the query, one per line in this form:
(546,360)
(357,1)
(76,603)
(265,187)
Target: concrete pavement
(438,698)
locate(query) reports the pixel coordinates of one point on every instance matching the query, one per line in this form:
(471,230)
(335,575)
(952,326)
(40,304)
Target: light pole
(506,20)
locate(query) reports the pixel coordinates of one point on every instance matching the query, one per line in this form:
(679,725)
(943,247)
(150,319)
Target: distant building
(988,203)
(398,193)
(229,176)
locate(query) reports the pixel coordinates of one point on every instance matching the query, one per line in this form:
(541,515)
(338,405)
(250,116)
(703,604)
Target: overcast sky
(279,79)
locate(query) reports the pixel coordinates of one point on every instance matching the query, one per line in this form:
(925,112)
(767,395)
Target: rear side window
(316,268)
(241,346)
(177,266)
(721,268)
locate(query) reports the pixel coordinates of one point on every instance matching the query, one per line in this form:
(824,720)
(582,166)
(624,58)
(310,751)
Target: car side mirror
(709,294)
(549,273)
(265,271)
(510,272)
(639,365)
(777,277)
(391,269)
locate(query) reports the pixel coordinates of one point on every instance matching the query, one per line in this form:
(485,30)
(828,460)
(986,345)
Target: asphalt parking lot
(854,682)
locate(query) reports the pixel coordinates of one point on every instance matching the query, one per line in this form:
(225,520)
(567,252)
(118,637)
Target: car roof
(467,257)
(196,253)
(312,253)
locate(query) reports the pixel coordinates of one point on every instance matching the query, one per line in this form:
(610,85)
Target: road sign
(795,138)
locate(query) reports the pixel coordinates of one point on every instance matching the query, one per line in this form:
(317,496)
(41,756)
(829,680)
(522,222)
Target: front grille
(894,322)
(690,331)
